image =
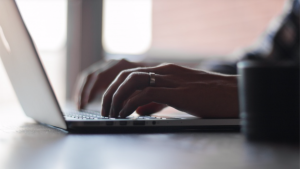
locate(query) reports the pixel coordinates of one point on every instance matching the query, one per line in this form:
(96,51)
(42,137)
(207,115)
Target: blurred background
(159,30)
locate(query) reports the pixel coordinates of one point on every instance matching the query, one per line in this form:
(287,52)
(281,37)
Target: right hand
(199,93)
(96,79)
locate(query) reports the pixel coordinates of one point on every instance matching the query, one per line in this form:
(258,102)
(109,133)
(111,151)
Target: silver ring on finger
(152,79)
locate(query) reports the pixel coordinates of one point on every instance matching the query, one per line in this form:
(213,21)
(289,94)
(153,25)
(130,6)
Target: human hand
(199,93)
(96,79)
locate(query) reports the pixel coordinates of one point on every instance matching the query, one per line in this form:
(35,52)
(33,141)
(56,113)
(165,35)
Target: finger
(94,88)
(136,81)
(88,74)
(85,91)
(82,90)
(150,108)
(163,69)
(104,75)
(149,95)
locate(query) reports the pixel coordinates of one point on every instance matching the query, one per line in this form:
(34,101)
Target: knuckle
(123,74)
(123,61)
(168,66)
(134,76)
(171,65)
(90,75)
(98,74)
(87,77)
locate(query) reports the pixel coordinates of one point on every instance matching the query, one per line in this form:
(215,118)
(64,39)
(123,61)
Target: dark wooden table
(25,144)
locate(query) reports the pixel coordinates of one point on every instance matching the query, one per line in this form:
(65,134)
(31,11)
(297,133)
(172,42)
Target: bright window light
(127,26)
(46,21)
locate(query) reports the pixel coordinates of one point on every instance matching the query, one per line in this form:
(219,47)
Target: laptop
(38,101)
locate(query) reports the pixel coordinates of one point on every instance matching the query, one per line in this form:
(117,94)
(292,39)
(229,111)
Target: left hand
(96,78)
(196,92)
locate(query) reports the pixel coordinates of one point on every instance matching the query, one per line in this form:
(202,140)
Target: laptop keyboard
(83,114)
(94,115)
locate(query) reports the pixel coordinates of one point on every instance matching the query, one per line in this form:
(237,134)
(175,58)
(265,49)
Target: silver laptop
(35,94)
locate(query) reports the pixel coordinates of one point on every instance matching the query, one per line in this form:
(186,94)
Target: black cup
(269,100)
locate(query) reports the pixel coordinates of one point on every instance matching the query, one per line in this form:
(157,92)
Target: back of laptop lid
(24,68)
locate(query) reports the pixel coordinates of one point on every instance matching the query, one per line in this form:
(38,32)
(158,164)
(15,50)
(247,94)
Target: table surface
(26,144)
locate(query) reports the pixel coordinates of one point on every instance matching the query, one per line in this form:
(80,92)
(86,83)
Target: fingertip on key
(79,106)
(122,113)
(103,113)
(111,112)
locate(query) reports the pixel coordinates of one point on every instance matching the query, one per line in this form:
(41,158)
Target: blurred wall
(210,27)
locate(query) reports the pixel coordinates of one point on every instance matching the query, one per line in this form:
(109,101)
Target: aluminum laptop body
(35,94)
